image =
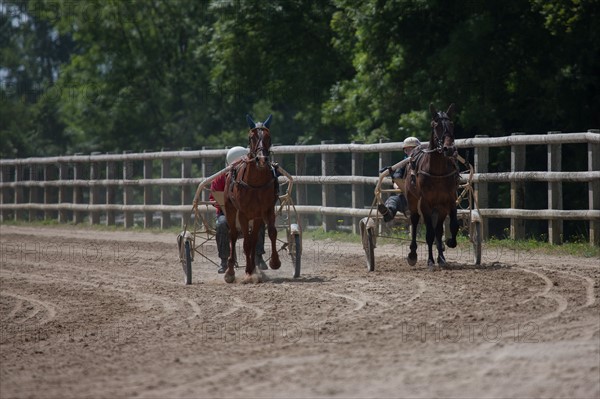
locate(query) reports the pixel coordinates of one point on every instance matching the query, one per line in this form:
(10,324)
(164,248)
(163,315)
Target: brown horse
(431,187)
(250,195)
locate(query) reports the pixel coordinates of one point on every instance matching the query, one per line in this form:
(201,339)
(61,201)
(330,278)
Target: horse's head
(259,140)
(442,135)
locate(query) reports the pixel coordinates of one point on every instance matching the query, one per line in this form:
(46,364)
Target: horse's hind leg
(250,239)
(275,262)
(429,237)
(451,242)
(439,230)
(412,256)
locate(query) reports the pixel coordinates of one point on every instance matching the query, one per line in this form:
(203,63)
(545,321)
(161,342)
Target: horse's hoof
(229,278)
(441,261)
(451,242)
(431,265)
(274,264)
(412,259)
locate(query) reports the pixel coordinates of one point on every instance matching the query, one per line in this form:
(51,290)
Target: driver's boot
(223,266)
(392,205)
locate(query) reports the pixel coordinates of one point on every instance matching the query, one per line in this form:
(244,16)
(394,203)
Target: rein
(237,179)
(418,160)
(246,185)
(420,172)
(436,149)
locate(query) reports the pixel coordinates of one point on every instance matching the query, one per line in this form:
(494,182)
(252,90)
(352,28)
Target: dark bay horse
(250,195)
(431,186)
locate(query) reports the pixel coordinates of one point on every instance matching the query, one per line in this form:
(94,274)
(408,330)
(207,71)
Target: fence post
(39,175)
(385,159)
(301,193)
(5,192)
(481,159)
(555,197)
(358,193)
(18,189)
(35,194)
(49,174)
(165,192)
(207,166)
(111,174)
(94,190)
(207,170)
(186,193)
(328,192)
(147,174)
(517,189)
(127,191)
(63,174)
(77,191)
(594,188)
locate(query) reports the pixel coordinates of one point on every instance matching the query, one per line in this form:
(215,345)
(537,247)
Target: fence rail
(76,187)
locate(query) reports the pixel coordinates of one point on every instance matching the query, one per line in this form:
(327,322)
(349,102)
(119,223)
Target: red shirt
(218,185)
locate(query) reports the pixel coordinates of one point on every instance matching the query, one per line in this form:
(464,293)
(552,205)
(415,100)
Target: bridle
(256,142)
(446,131)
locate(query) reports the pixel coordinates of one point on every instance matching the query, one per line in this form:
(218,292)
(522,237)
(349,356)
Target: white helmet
(235,153)
(411,142)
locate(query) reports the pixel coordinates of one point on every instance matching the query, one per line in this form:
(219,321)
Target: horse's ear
(451,111)
(267,122)
(433,111)
(250,121)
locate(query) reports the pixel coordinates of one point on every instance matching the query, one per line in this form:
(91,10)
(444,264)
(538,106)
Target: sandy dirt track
(89,313)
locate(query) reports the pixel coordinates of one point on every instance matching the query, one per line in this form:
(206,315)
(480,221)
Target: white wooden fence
(113,188)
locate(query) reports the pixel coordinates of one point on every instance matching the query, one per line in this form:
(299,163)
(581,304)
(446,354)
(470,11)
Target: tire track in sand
(170,306)
(589,286)
(422,287)
(559,299)
(16,308)
(591,329)
(48,308)
(238,305)
(196,309)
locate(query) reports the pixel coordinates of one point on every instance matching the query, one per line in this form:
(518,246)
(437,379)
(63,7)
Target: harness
(436,144)
(240,182)
(415,162)
(420,172)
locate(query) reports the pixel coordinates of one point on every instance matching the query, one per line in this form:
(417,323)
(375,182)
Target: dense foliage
(133,75)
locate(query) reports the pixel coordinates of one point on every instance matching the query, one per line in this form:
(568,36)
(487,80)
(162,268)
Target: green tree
(154,74)
(510,66)
(136,71)
(117,75)
(274,57)
(31,54)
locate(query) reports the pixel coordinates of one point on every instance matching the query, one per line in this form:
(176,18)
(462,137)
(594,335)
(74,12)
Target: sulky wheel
(370,250)
(296,253)
(186,262)
(476,239)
